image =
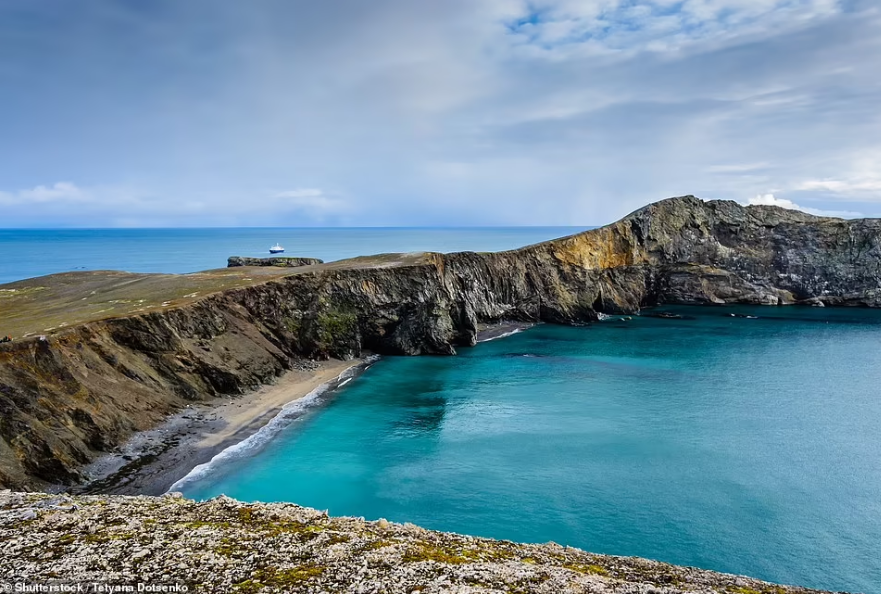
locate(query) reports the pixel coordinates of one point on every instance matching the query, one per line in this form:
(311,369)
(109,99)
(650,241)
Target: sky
(423,112)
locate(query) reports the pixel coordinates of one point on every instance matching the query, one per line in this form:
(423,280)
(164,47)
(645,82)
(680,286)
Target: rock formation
(222,545)
(88,387)
(281,261)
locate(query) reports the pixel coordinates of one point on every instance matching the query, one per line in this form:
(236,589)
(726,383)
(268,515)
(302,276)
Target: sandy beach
(152,461)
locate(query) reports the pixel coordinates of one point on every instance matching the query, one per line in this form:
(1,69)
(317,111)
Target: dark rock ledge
(225,546)
(280,261)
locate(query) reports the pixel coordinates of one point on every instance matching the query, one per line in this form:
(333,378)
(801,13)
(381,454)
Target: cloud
(738,168)
(129,207)
(770,200)
(58,193)
(410,112)
(566,27)
(63,204)
(841,186)
(312,202)
(861,179)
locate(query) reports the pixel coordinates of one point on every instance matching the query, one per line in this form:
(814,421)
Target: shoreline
(153,461)
(488,332)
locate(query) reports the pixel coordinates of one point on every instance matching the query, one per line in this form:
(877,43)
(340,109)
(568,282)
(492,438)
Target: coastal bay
(152,462)
(734,438)
(399,297)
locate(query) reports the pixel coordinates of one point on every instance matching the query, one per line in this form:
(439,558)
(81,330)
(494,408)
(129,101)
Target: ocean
(25,253)
(743,445)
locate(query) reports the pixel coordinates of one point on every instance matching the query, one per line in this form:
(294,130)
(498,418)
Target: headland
(99,357)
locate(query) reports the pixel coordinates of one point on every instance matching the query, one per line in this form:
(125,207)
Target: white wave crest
(252,443)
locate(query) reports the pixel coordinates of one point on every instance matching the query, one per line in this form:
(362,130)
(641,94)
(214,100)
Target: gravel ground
(172,544)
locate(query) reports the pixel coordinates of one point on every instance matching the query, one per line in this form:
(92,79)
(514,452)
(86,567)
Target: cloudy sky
(432,112)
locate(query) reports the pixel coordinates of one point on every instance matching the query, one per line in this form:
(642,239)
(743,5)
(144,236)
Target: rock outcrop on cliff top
(85,388)
(280,261)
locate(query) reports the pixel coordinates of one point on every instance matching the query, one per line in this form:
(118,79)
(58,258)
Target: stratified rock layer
(225,546)
(85,389)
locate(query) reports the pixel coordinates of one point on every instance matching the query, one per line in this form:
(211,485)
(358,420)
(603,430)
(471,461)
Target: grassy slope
(47,303)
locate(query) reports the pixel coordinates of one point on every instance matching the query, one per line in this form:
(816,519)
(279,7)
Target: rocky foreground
(225,546)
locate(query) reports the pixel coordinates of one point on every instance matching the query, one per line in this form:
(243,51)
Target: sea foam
(253,443)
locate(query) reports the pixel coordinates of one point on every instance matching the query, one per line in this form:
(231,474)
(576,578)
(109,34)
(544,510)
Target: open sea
(25,253)
(742,445)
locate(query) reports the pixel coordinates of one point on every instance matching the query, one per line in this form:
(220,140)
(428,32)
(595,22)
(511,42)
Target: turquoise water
(25,253)
(742,445)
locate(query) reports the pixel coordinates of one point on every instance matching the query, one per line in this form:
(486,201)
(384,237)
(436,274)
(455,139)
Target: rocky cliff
(85,388)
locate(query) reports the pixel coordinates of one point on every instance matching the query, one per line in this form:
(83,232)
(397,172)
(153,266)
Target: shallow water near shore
(735,444)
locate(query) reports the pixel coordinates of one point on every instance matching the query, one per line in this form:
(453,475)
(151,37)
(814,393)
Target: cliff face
(85,389)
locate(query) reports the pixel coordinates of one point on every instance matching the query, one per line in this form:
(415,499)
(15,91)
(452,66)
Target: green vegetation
(375,545)
(427,552)
(102,537)
(246,518)
(336,324)
(197,524)
(291,324)
(64,300)
(335,538)
(763,590)
(586,568)
(272,577)
(20,292)
(455,555)
(227,547)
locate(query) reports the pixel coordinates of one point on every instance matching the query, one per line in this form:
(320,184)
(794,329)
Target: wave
(289,412)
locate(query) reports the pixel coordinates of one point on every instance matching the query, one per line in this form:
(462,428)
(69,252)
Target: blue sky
(417,112)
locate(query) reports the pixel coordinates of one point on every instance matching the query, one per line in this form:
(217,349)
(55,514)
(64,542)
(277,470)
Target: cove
(732,443)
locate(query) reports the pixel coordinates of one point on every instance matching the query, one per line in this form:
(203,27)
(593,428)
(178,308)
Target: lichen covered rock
(223,545)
